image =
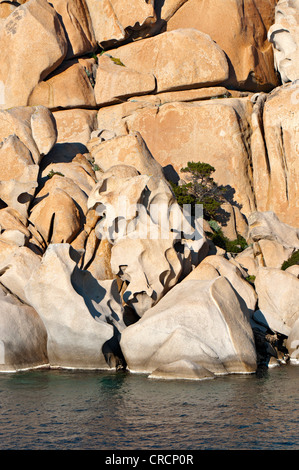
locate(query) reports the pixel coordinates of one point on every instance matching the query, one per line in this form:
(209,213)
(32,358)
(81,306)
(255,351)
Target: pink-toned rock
(178,59)
(240,29)
(114,20)
(56,218)
(275,151)
(36,23)
(115,82)
(75,125)
(70,86)
(180,132)
(75,18)
(34,126)
(125,149)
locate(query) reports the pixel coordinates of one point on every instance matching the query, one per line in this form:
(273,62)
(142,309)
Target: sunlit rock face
(284,35)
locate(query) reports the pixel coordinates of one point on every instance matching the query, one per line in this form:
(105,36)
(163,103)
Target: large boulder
(178,59)
(83,317)
(56,217)
(70,86)
(36,24)
(75,18)
(273,241)
(275,154)
(178,132)
(201,322)
(214,266)
(240,29)
(129,149)
(114,21)
(268,226)
(23,337)
(18,174)
(278,299)
(116,82)
(33,125)
(16,266)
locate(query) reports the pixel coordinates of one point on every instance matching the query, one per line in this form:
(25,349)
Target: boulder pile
(102,104)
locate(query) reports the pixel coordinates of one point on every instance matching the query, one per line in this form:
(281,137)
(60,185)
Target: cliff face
(103,102)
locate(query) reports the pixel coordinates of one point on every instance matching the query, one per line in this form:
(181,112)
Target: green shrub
(183,195)
(202,189)
(231,246)
(52,173)
(250,279)
(294,259)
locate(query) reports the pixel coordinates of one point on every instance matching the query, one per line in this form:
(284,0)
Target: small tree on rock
(201,189)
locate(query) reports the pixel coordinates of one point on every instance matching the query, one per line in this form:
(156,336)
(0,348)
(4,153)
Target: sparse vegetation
(116,60)
(231,246)
(250,279)
(294,259)
(201,189)
(52,173)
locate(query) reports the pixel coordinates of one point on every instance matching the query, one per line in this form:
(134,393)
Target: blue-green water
(68,410)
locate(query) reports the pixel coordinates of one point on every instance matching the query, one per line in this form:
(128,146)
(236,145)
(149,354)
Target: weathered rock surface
(278,298)
(116,82)
(114,21)
(70,86)
(284,35)
(91,237)
(76,21)
(77,311)
(23,337)
(241,31)
(16,265)
(144,223)
(214,266)
(34,126)
(275,162)
(129,149)
(180,132)
(198,321)
(178,59)
(46,47)
(267,225)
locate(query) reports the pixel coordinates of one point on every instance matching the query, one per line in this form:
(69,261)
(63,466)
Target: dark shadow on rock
(23,198)
(112,351)
(170,174)
(63,153)
(223,217)
(87,286)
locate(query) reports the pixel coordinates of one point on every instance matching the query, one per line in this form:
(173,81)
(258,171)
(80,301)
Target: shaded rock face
(23,337)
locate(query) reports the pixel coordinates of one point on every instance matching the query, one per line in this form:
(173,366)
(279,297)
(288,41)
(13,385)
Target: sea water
(79,410)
